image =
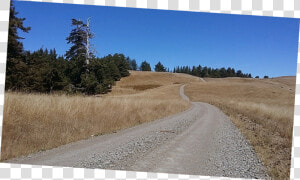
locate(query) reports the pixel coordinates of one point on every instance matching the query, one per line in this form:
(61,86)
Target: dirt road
(202,80)
(200,141)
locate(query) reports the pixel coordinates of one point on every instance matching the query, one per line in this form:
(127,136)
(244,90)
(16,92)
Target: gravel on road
(199,141)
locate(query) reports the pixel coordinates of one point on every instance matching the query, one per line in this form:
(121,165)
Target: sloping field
(201,140)
(262,109)
(143,80)
(34,122)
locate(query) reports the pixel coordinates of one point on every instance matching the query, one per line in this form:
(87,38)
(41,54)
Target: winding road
(200,141)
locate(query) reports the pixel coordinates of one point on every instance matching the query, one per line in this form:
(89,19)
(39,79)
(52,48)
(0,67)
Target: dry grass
(141,87)
(262,109)
(148,80)
(34,122)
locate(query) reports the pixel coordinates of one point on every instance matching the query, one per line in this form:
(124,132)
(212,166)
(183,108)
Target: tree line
(79,70)
(145,66)
(198,71)
(44,71)
(211,72)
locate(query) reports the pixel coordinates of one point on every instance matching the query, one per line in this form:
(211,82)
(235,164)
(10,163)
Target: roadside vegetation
(263,109)
(52,99)
(34,122)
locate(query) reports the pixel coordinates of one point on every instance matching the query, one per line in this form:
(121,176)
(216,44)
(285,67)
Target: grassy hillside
(34,122)
(145,80)
(263,109)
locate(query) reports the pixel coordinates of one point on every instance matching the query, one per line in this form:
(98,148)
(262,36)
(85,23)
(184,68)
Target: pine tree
(15,47)
(223,72)
(16,67)
(122,64)
(145,66)
(77,54)
(159,67)
(79,37)
(239,73)
(132,64)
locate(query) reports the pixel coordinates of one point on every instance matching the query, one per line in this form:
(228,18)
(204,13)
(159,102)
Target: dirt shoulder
(262,109)
(201,141)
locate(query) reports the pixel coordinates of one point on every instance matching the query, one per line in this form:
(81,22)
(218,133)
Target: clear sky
(255,44)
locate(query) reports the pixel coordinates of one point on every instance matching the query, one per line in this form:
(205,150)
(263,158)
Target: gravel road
(200,141)
(202,80)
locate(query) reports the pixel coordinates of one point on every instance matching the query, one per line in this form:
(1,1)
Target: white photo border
(276,8)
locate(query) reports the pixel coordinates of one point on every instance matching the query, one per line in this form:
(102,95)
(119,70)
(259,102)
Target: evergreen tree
(205,72)
(223,72)
(159,67)
(105,72)
(45,72)
(132,64)
(239,73)
(194,71)
(77,54)
(121,63)
(199,69)
(230,72)
(145,66)
(16,67)
(89,82)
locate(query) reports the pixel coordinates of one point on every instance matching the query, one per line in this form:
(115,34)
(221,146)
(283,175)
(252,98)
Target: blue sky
(255,44)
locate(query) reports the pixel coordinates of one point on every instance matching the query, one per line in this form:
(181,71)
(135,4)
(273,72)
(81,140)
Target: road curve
(199,141)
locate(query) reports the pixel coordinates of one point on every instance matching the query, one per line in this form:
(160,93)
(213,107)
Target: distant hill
(143,80)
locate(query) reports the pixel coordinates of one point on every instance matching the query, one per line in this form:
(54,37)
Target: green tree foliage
(79,71)
(99,75)
(16,66)
(266,77)
(107,70)
(44,71)
(77,54)
(132,64)
(239,73)
(210,72)
(145,66)
(121,63)
(48,73)
(257,77)
(159,67)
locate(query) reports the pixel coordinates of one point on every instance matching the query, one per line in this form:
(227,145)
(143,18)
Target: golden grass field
(34,122)
(263,110)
